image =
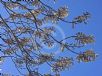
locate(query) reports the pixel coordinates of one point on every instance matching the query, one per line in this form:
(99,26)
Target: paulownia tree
(22,37)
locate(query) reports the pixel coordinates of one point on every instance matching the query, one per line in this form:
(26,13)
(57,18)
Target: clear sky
(94,27)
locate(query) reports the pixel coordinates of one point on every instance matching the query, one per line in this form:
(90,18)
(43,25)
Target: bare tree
(23,37)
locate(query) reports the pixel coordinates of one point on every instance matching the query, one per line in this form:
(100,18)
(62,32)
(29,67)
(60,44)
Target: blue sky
(94,27)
